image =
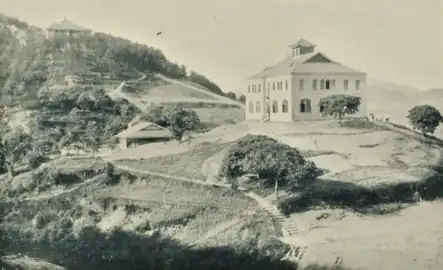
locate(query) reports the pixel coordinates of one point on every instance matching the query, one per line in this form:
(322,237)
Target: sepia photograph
(221,135)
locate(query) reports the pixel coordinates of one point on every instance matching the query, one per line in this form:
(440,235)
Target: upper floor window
(257,107)
(269,86)
(286,85)
(332,84)
(345,84)
(284,106)
(274,106)
(301,84)
(273,86)
(251,107)
(357,84)
(327,84)
(249,89)
(322,84)
(314,84)
(279,85)
(259,88)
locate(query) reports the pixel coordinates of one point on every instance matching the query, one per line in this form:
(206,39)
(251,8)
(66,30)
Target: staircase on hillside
(289,229)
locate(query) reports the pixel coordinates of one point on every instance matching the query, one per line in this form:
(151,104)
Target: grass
(187,164)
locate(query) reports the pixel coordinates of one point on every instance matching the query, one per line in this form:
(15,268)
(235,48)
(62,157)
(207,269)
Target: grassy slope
(183,211)
(357,155)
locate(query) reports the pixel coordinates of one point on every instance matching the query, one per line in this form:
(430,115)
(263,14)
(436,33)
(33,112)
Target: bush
(271,160)
(424,118)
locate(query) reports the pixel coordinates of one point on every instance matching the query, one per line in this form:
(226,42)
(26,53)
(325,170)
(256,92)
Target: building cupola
(301,47)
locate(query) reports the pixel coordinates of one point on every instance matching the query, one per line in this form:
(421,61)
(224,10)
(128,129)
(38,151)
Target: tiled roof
(302,43)
(299,65)
(145,130)
(66,25)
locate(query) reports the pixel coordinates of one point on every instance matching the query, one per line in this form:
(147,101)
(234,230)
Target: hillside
(365,194)
(28,60)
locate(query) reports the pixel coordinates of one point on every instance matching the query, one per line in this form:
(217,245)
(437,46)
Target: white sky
(228,40)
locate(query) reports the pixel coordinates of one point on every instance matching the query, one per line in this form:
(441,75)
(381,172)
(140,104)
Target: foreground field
(189,213)
(360,159)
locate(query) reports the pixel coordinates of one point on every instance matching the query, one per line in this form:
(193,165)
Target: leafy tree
(158,114)
(274,162)
(242,99)
(424,118)
(339,105)
(182,120)
(14,146)
(91,138)
(231,95)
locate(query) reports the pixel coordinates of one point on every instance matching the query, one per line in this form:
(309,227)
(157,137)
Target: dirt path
(221,98)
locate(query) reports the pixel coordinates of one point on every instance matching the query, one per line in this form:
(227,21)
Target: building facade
(65,29)
(291,89)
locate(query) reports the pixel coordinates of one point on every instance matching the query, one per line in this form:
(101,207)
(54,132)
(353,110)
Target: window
(286,85)
(284,106)
(305,106)
(257,107)
(279,85)
(345,84)
(274,106)
(322,108)
(322,84)
(314,84)
(301,84)
(249,89)
(332,84)
(251,107)
(357,84)
(259,88)
(269,86)
(328,84)
(273,86)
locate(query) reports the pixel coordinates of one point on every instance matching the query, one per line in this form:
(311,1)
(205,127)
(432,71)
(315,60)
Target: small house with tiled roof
(291,89)
(66,28)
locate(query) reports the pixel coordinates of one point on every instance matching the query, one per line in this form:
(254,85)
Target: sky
(399,41)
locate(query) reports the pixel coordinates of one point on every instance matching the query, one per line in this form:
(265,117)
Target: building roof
(305,63)
(145,130)
(302,43)
(67,25)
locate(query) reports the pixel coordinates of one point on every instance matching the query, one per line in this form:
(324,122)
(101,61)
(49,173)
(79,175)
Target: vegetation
(242,99)
(188,164)
(25,68)
(176,118)
(274,162)
(81,118)
(424,118)
(339,105)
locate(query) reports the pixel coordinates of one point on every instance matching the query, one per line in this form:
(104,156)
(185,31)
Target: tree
(339,105)
(424,118)
(242,99)
(158,114)
(15,146)
(231,95)
(91,138)
(276,163)
(182,120)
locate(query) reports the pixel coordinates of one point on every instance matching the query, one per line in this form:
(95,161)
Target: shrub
(424,118)
(271,160)
(339,105)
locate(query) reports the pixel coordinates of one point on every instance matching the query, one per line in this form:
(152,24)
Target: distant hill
(28,60)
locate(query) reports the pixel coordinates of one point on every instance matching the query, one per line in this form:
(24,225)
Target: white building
(292,89)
